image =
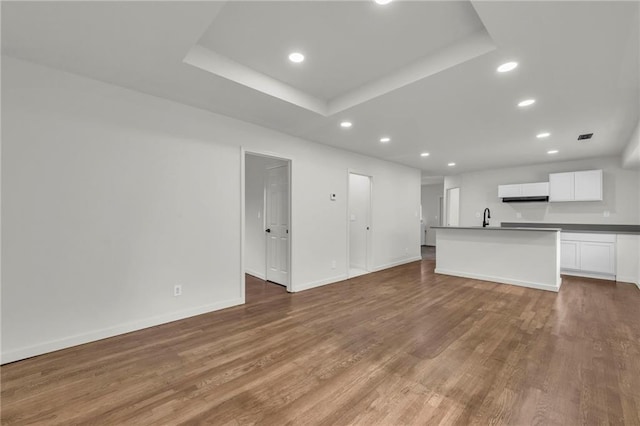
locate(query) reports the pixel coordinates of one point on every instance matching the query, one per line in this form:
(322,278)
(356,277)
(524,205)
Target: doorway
(277,224)
(453,207)
(359,224)
(267,218)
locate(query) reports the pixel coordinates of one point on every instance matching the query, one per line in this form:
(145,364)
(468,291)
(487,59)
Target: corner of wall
(631,153)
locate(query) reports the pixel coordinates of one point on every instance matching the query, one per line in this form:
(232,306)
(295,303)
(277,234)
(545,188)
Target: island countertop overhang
(498,228)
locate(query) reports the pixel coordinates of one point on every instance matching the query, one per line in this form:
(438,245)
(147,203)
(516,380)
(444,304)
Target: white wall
(631,154)
(628,258)
(111,197)
(631,159)
(255,243)
(480,189)
(430,198)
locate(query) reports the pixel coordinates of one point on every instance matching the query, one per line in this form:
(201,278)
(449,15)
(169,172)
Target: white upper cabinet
(576,186)
(505,191)
(537,189)
(561,186)
(588,185)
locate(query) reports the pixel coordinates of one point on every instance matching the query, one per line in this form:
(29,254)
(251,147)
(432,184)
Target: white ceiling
(422,73)
(347,44)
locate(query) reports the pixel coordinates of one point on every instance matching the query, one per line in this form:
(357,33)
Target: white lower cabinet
(569,255)
(598,257)
(588,254)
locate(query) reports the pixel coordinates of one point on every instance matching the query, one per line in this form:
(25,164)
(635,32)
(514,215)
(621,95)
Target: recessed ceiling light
(346,124)
(553,151)
(296,57)
(383,2)
(526,102)
(509,66)
(385,139)
(424,154)
(543,135)
(451,164)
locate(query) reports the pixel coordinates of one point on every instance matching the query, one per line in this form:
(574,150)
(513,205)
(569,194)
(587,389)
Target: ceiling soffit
(440,53)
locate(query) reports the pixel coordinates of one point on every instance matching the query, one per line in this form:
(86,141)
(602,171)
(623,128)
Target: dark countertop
(499,228)
(579,227)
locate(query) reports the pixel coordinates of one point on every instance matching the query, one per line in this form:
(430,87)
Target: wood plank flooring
(401,346)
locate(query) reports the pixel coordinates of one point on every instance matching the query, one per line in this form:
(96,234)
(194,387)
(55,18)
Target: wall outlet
(333,264)
(406,250)
(477,214)
(606,213)
(177,290)
(519,215)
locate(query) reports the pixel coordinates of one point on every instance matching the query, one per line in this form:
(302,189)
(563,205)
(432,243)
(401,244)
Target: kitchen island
(527,257)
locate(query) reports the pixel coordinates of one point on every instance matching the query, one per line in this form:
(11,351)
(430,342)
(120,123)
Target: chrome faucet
(485,217)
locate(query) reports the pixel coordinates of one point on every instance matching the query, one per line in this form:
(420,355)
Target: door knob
(268,230)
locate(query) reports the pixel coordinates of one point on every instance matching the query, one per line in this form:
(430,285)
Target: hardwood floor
(428,252)
(401,346)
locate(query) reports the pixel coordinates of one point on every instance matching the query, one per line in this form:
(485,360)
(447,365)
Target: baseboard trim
(397,263)
(630,280)
(92,336)
(501,280)
(589,275)
(319,283)
(263,277)
(342,277)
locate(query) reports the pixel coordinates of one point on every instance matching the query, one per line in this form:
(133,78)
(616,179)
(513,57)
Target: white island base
(527,257)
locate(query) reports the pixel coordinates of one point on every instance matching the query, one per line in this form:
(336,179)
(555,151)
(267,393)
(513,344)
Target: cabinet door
(588,185)
(561,186)
(597,257)
(569,255)
(535,189)
(509,190)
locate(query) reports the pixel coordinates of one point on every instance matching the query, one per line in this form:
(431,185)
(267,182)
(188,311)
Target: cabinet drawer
(583,236)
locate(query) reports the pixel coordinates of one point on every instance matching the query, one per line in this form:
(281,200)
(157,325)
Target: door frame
(369,255)
(289,161)
(448,204)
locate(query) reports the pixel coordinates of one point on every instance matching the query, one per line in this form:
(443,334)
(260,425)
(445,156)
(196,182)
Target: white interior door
(277,224)
(453,207)
(359,223)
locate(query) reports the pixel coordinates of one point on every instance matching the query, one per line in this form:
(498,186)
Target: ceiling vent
(585,136)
